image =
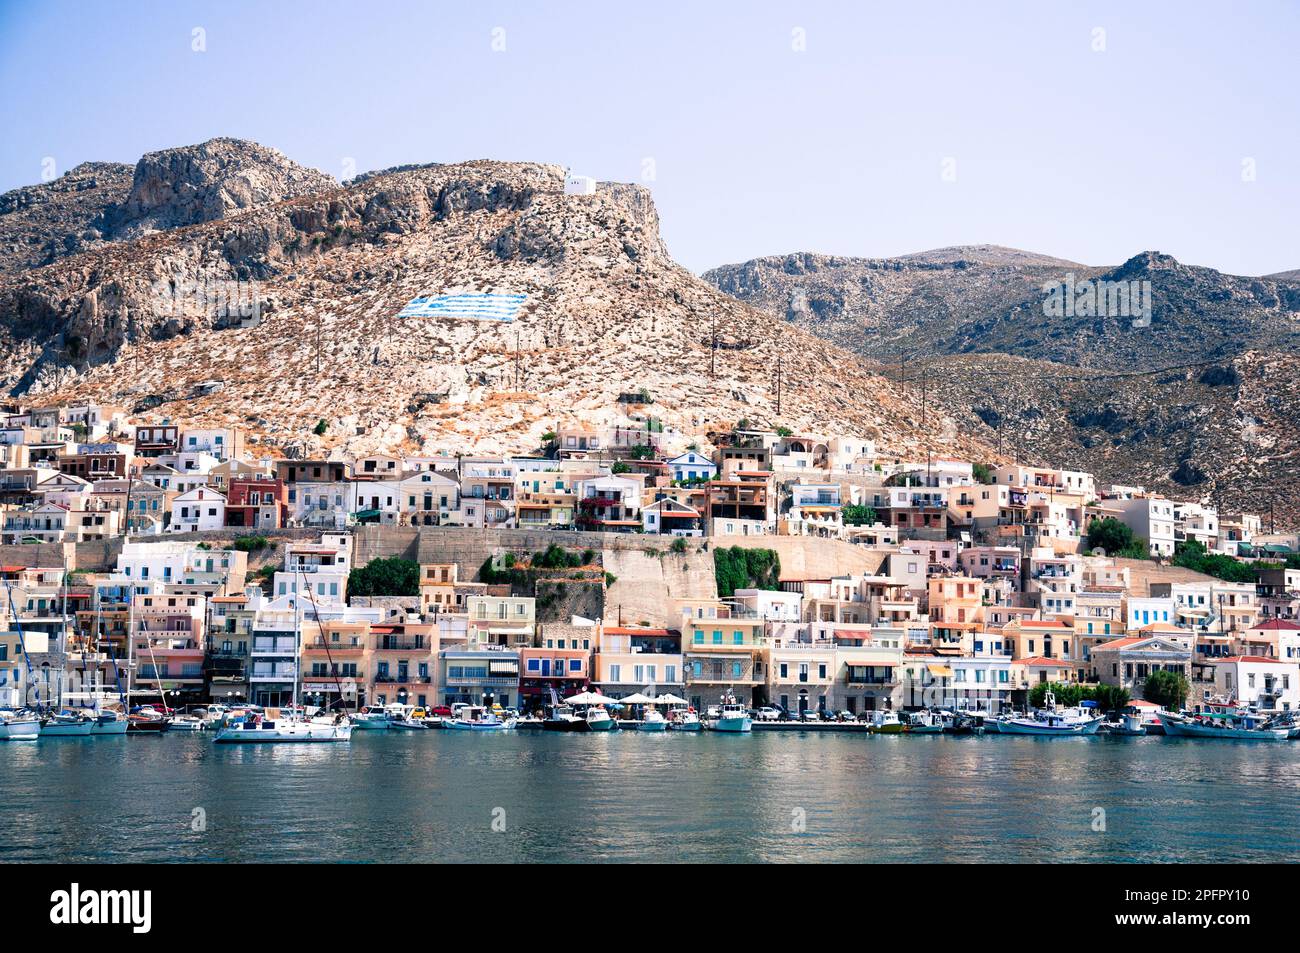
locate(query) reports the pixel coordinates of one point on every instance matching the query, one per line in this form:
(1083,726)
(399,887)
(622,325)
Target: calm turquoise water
(433,796)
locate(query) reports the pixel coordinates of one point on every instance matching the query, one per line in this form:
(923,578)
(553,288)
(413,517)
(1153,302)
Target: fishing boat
(19,726)
(371,718)
(1051,722)
(923,723)
(477,718)
(886,723)
(66,725)
(1129,725)
(684,719)
(1236,725)
(962,722)
(733,717)
(406,718)
(185,723)
(598,719)
(652,720)
(563,718)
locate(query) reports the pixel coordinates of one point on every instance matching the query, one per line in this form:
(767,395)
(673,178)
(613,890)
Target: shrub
(385,577)
(741,568)
(246,544)
(855,514)
(320,428)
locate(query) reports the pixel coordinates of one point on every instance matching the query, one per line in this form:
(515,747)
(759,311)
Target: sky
(1088,131)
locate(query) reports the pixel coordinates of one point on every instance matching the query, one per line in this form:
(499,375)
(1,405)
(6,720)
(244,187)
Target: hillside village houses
(954,584)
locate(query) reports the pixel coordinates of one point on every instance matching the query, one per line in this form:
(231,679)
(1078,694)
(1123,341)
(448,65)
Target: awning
(940,671)
(503,668)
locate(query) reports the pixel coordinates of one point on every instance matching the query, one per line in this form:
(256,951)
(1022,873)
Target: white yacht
(19,726)
(260,729)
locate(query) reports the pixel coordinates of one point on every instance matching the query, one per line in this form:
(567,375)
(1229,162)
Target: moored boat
(19,726)
(652,720)
(1052,722)
(370,718)
(886,723)
(684,719)
(923,723)
(1129,725)
(255,729)
(1235,726)
(185,723)
(598,719)
(66,725)
(733,717)
(475,718)
(108,723)
(563,718)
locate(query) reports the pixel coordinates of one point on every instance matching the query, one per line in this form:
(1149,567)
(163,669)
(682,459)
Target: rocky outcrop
(40,224)
(202,183)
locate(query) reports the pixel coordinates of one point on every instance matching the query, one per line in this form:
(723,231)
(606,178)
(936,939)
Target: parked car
(810,714)
(768,713)
(440,711)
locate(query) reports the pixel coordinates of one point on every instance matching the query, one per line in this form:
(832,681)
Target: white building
(1267,683)
(197,510)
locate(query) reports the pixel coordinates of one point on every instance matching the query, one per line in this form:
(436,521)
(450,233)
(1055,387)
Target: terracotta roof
(1041,661)
(1254,658)
(1118,643)
(1276,625)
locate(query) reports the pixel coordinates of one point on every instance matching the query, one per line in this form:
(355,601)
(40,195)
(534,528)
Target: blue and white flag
(465,307)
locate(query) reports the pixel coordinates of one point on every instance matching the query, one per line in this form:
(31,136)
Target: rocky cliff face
(203,183)
(41,223)
(291,301)
(1201,400)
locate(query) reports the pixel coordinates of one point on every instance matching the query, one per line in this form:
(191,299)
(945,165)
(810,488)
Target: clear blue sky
(757,148)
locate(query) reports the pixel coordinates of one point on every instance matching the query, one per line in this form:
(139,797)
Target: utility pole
(516,361)
(318,322)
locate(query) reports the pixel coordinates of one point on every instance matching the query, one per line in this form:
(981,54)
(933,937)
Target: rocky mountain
(42,223)
(1199,397)
(229,285)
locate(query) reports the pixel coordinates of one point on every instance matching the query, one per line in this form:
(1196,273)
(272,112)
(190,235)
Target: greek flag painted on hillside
(465,307)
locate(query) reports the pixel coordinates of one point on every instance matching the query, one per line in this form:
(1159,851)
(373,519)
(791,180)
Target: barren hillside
(145,317)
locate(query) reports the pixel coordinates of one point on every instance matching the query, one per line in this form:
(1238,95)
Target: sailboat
(259,728)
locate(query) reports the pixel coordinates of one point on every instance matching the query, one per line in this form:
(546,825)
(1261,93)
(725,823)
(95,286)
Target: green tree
(1116,539)
(856,514)
(784,432)
(1191,554)
(642,452)
(393,576)
(1167,689)
(982,472)
(248,543)
(620,467)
